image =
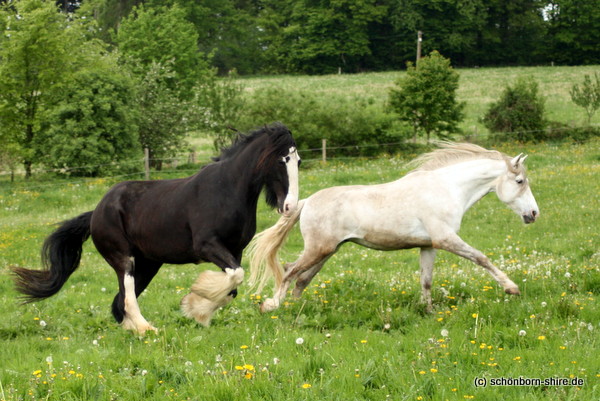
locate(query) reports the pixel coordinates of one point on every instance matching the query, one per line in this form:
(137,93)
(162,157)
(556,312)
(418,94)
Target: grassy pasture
(358,333)
(364,334)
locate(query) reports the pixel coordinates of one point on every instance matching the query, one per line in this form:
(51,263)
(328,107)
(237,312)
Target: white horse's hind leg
(453,243)
(426,260)
(310,259)
(305,278)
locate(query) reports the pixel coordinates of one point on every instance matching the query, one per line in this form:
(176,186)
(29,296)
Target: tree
(426,98)
(574,31)
(163,117)
(587,95)
(92,130)
(40,51)
(320,37)
(163,35)
(519,113)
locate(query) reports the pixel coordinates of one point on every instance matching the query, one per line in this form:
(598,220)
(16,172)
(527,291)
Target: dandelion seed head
(299,340)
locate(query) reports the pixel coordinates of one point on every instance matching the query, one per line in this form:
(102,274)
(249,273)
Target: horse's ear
(518,161)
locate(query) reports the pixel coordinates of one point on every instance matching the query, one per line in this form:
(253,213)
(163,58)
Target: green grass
(365,336)
(477,87)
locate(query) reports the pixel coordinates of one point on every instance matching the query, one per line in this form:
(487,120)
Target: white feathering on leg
(210,292)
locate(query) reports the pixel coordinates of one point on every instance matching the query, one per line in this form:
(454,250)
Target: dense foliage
(519,113)
(426,97)
(357,35)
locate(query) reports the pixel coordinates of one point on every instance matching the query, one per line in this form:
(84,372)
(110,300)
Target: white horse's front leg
(427,260)
(453,243)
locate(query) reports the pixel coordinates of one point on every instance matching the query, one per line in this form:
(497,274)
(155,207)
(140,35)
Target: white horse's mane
(449,153)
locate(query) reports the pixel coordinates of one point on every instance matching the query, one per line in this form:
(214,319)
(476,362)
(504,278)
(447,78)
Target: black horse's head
(276,162)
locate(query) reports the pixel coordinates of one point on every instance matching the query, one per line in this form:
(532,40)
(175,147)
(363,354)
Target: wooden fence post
(324,150)
(147,162)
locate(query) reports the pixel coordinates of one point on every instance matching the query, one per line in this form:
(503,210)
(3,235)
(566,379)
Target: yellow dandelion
(244,347)
(306,385)
(363,341)
(248,367)
(248,375)
(238,367)
(475,315)
(542,338)
(37,372)
(422,372)
(433,370)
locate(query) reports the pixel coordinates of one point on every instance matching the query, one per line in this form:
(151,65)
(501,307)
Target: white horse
(423,209)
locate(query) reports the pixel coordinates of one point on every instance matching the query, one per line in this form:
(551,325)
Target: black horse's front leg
(212,289)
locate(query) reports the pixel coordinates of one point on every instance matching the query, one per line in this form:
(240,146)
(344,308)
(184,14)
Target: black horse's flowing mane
(280,138)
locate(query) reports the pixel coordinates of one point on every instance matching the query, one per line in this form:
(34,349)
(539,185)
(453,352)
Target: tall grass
(359,331)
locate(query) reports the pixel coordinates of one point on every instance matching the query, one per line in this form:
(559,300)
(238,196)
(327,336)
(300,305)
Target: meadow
(359,331)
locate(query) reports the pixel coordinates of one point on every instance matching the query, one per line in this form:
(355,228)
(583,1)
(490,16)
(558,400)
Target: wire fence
(139,167)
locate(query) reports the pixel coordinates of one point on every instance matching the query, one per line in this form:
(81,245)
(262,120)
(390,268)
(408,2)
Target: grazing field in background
(358,333)
(478,87)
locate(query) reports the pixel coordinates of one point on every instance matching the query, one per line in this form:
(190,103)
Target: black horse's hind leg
(144,271)
(213,290)
(125,307)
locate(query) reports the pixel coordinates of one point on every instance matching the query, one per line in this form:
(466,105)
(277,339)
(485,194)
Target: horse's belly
(389,242)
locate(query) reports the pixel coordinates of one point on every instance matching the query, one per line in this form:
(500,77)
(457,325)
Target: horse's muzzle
(531,216)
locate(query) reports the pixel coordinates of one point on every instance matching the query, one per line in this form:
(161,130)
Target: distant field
(358,333)
(477,87)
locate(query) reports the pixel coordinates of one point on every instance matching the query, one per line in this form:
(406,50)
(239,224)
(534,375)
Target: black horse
(208,217)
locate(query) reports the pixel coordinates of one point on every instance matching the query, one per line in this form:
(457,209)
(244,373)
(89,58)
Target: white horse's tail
(264,248)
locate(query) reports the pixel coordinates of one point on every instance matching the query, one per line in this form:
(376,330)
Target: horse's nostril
(533,213)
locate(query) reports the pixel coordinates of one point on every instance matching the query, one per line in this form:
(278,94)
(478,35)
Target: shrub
(518,114)
(426,97)
(92,130)
(587,95)
(352,127)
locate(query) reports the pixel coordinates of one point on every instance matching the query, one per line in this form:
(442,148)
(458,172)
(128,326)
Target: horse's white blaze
(133,319)
(291,164)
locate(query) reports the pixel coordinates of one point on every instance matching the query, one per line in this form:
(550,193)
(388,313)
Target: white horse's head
(513,189)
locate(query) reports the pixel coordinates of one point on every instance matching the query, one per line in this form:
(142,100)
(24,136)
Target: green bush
(587,95)
(352,127)
(518,114)
(426,97)
(92,130)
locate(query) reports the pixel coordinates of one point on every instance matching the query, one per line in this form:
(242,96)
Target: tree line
(323,36)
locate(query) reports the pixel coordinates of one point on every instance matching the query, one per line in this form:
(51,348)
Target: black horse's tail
(61,254)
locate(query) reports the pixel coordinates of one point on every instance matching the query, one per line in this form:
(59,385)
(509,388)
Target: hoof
(513,291)
(268,306)
(142,329)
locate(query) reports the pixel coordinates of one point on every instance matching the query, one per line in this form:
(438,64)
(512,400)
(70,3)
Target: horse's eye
(520,181)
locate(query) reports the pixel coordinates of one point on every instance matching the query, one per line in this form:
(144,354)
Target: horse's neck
(241,171)
(474,179)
